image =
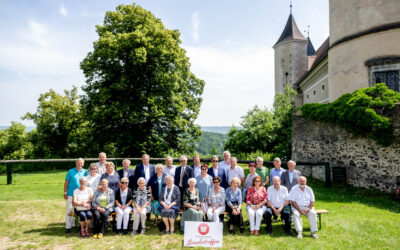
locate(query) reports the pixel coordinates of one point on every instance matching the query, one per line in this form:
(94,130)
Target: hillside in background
(220,130)
(211,143)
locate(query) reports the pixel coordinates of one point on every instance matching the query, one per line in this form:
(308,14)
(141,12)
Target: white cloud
(37,33)
(237,79)
(63,10)
(195,26)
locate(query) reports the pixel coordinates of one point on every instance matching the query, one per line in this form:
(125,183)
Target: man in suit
(127,172)
(182,174)
(145,170)
(290,178)
(215,170)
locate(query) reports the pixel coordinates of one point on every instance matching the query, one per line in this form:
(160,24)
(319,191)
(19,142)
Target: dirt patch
(6,243)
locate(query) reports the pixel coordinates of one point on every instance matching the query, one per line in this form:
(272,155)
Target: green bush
(363,112)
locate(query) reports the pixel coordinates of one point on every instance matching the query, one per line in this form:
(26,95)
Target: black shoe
(125,231)
(269,231)
(67,231)
(289,233)
(242,230)
(118,232)
(231,231)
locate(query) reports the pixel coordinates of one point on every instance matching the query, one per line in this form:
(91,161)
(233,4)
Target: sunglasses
(124,182)
(257,181)
(214,161)
(205,169)
(216,182)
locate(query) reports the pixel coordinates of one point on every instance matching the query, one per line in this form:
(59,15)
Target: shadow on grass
(52,229)
(350,194)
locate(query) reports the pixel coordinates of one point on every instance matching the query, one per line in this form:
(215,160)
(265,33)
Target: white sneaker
(314,235)
(299,235)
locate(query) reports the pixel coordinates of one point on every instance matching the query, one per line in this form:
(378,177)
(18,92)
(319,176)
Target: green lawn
(32,216)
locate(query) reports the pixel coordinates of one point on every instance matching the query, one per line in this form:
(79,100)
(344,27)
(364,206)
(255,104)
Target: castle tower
(290,56)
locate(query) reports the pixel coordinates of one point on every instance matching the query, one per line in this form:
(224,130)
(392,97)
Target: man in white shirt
(302,199)
(169,168)
(278,204)
(226,163)
(235,171)
(196,166)
(101,164)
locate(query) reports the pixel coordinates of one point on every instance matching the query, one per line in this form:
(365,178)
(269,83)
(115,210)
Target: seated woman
(234,205)
(141,206)
(170,199)
(156,183)
(123,202)
(93,178)
(191,204)
(256,200)
(111,176)
(82,199)
(249,179)
(103,205)
(216,201)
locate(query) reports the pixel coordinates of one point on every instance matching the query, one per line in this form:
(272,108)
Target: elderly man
(71,183)
(101,164)
(196,166)
(215,170)
(278,204)
(262,171)
(226,163)
(290,178)
(169,168)
(302,199)
(182,174)
(277,170)
(145,170)
(127,172)
(235,171)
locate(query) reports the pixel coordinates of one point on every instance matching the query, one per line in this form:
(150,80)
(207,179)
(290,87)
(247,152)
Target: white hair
(141,179)
(183,157)
(82,179)
(169,157)
(169,177)
(259,158)
(291,161)
(102,153)
(126,160)
(227,152)
(234,158)
(192,180)
(159,166)
(235,179)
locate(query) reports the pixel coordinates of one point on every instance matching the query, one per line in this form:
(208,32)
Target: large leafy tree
(140,93)
(61,129)
(14,143)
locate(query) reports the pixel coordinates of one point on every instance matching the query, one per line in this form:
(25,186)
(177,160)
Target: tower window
(308,96)
(323,87)
(314,92)
(391,78)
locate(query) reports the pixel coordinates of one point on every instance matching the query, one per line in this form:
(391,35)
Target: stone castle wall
(367,164)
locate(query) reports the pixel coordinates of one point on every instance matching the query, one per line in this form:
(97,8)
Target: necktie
(183,171)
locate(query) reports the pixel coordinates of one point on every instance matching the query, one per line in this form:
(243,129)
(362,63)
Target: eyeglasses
(93,169)
(204,169)
(215,161)
(257,181)
(216,182)
(124,182)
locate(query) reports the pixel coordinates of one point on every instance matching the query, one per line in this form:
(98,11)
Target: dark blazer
(118,196)
(153,184)
(121,173)
(285,181)
(221,175)
(139,172)
(186,176)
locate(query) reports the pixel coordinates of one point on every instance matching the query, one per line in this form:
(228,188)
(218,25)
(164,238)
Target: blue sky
(229,43)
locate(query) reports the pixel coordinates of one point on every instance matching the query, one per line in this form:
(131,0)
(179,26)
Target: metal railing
(9,164)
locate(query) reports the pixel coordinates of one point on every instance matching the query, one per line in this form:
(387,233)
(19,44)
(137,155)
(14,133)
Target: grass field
(32,216)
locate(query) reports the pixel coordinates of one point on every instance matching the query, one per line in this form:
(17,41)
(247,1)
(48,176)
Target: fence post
(328,174)
(9,174)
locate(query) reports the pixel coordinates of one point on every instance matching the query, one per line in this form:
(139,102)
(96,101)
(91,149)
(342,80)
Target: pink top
(255,197)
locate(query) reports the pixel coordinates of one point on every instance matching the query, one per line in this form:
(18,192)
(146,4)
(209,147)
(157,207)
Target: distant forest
(211,143)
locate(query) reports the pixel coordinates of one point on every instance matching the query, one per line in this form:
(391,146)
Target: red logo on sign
(203,229)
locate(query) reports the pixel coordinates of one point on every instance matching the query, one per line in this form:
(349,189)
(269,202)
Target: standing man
(302,199)
(278,204)
(262,171)
(235,171)
(144,169)
(226,163)
(71,183)
(215,170)
(277,170)
(196,166)
(127,172)
(182,174)
(101,164)
(290,178)
(169,168)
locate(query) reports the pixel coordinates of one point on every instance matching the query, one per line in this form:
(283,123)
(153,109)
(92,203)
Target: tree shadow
(52,229)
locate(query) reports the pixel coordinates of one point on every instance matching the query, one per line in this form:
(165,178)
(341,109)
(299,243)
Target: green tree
(60,126)
(14,144)
(141,94)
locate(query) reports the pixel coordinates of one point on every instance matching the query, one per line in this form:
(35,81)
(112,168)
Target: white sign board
(203,234)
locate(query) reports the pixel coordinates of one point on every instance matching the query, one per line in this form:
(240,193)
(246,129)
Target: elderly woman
(191,204)
(141,205)
(249,179)
(170,199)
(216,201)
(204,184)
(93,179)
(103,205)
(111,176)
(156,183)
(123,202)
(256,199)
(234,205)
(82,200)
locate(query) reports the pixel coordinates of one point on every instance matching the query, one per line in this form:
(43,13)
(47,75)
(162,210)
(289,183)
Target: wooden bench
(319,213)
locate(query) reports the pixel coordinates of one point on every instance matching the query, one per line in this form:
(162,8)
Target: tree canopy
(140,93)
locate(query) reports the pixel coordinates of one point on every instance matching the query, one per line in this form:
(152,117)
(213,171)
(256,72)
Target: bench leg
(319,221)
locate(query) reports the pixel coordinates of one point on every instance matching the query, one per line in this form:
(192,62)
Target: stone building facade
(367,164)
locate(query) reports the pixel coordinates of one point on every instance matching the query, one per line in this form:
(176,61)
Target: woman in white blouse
(216,201)
(123,205)
(93,179)
(82,199)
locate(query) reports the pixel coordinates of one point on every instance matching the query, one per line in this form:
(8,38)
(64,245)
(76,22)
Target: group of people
(202,192)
